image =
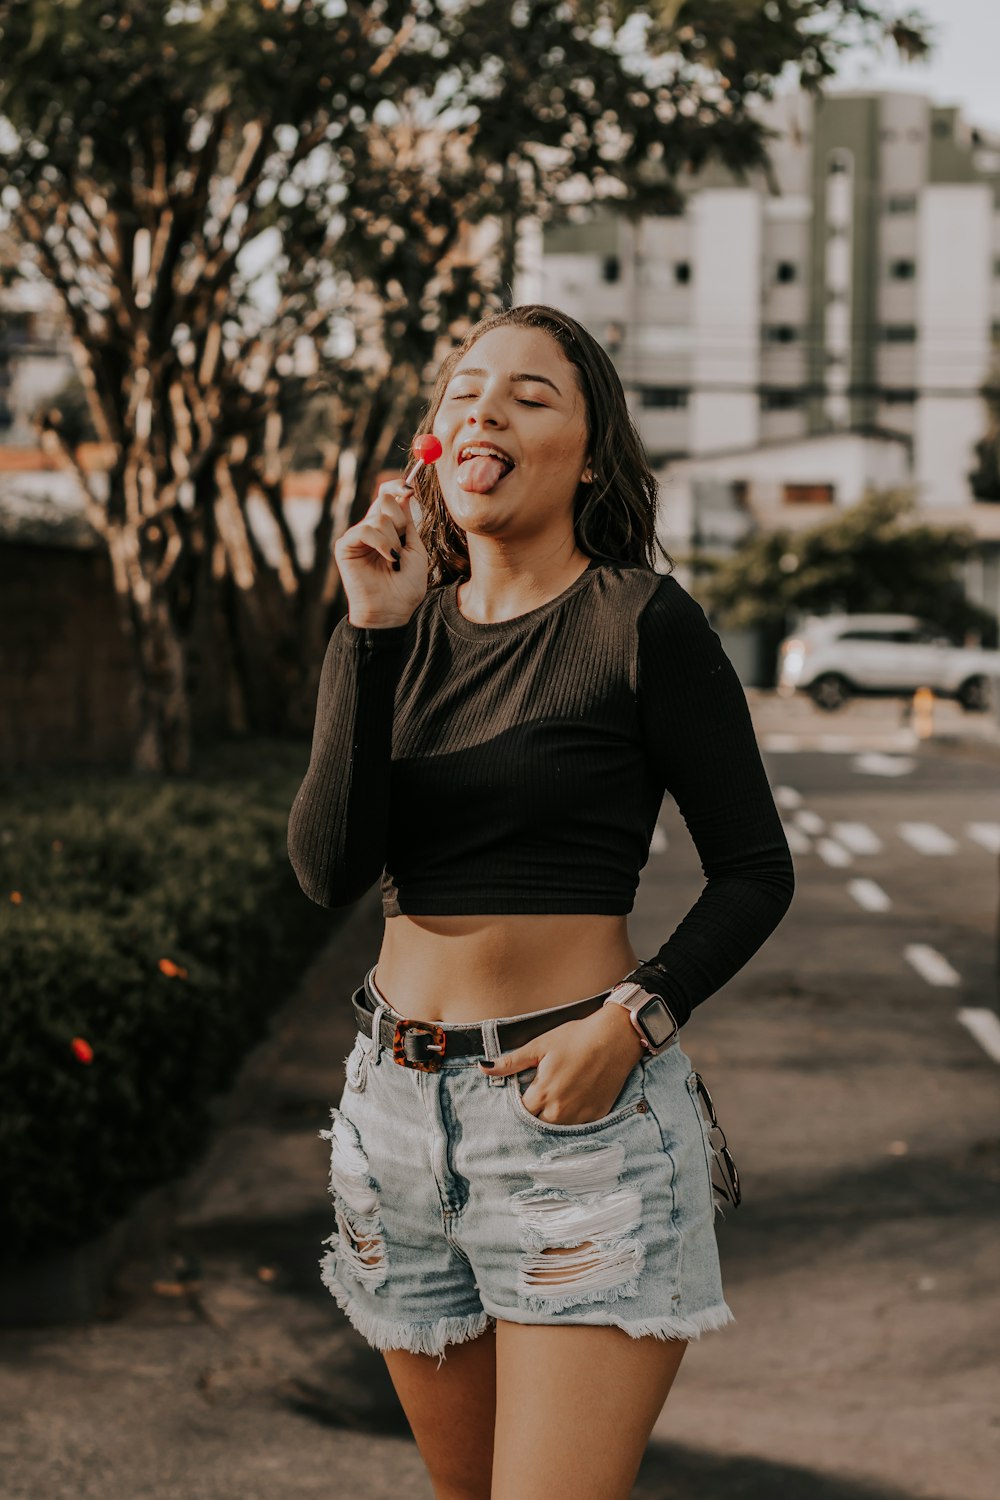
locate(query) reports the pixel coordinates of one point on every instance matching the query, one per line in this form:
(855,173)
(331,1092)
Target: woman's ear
(587,477)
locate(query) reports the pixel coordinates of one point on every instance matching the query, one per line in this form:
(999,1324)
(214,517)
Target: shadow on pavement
(670,1472)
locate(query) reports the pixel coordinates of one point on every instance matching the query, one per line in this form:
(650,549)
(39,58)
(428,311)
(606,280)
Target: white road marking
(780,743)
(927,838)
(874,763)
(930,964)
(787,797)
(869,894)
(797,841)
(987,834)
(832,853)
(808,821)
(857,837)
(984,1025)
(658,843)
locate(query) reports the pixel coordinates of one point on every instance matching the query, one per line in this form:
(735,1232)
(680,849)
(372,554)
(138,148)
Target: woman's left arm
(699,739)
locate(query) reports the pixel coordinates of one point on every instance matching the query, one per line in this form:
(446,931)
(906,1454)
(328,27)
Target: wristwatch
(648,1013)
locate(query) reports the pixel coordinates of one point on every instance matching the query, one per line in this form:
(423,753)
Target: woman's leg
(575,1407)
(451,1411)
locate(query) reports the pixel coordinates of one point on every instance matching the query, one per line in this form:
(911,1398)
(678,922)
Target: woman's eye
(472,396)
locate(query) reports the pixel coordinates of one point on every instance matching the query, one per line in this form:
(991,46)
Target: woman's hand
(582,1067)
(378,592)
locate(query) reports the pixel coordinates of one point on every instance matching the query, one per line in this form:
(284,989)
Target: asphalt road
(865,1118)
(863,1113)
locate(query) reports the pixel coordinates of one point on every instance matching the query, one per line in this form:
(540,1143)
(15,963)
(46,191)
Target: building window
(614,337)
(902,270)
(781,333)
(996,266)
(995,332)
(682,272)
(786,270)
(835,296)
(899,396)
(901,203)
(775,399)
(612,268)
(837,164)
(898,333)
(663,397)
(807,494)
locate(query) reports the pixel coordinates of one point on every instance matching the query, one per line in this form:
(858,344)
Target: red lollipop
(428,450)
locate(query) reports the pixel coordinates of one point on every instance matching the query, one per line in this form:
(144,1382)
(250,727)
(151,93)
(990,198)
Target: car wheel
(830,691)
(974,695)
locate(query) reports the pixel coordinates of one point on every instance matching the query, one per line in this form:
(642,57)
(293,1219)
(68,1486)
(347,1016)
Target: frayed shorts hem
(671,1327)
(415,1338)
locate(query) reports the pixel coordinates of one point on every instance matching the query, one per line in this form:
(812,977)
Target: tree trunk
(163,742)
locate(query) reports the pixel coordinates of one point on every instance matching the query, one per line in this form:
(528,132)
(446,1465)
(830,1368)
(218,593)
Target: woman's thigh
(451,1410)
(575,1406)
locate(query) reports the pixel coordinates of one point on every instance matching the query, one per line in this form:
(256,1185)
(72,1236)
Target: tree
(985,477)
(875,557)
(246,206)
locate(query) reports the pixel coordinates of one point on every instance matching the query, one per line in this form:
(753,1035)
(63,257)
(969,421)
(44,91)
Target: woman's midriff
(472,968)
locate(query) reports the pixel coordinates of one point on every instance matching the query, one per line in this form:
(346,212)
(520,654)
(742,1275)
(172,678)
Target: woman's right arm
(338,825)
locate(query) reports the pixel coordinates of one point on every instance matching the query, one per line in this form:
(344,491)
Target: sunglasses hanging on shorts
(725,1177)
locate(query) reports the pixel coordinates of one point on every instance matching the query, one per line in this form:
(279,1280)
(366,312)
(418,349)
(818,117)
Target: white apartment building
(861,300)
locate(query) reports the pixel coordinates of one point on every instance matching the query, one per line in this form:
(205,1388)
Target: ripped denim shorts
(455,1205)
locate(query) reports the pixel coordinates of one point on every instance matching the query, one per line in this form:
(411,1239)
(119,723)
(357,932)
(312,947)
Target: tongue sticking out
(481,474)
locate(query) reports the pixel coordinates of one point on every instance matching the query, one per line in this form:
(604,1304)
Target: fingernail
(396,566)
(395,554)
(484,1062)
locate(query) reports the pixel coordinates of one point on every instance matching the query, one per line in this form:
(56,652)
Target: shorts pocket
(357,1063)
(631,1100)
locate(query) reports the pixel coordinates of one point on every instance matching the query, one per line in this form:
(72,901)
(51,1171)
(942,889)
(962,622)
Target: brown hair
(614,517)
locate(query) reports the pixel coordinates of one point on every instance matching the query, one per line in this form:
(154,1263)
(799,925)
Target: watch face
(656,1021)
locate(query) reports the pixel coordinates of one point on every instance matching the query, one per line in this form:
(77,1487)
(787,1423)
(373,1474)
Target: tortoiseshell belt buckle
(409,1047)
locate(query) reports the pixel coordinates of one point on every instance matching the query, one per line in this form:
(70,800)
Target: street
(861,1108)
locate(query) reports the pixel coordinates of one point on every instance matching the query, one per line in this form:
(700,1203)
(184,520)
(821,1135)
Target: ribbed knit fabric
(519,766)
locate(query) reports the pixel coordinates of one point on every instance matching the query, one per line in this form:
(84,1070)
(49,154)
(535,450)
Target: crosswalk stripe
(984,1025)
(931,965)
(832,853)
(987,834)
(927,838)
(869,894)
(798,843)
(808,821)
(857,837)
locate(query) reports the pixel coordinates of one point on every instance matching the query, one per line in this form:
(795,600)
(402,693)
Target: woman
(530,1186)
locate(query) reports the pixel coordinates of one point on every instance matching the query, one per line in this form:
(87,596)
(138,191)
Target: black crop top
(519,766)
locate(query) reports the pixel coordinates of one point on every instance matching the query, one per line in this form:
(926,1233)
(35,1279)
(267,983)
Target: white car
(834,657)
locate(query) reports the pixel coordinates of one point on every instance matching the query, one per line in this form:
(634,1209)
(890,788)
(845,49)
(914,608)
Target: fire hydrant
(923,712)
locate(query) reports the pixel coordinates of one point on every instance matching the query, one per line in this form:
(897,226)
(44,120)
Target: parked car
(834,657)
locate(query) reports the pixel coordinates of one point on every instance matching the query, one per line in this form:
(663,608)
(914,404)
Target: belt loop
(377,1015)
(492,1049)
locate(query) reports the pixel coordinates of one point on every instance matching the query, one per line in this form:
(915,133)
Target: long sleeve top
(520,766)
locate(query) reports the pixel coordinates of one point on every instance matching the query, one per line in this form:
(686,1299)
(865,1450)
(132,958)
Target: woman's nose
(486,412)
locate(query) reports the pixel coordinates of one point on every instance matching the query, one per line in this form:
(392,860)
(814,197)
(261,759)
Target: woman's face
(514,395)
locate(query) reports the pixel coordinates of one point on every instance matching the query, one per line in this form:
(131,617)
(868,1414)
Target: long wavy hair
(614,516)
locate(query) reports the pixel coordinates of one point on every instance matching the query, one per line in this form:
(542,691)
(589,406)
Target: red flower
(82,1050)
(172,970)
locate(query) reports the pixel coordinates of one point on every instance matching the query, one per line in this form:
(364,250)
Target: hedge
(148,929)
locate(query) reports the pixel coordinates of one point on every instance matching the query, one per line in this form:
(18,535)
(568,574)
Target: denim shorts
(453,1202)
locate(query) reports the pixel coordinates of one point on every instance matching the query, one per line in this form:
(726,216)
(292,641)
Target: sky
(962,68)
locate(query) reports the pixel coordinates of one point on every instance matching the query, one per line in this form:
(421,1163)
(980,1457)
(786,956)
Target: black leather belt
(422,1044)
